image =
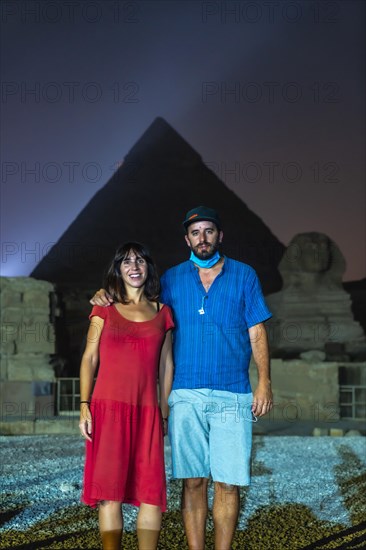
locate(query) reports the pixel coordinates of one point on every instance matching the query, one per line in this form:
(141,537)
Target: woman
(122,422)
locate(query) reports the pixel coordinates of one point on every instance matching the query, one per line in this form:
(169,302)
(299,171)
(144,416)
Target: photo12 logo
(269,92)
(70,11)
(274,172)
(32,252)
(70,171)
(66,172)
(269,11)
(68,92)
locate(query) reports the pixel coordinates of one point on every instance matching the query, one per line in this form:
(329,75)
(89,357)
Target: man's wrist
(264,381)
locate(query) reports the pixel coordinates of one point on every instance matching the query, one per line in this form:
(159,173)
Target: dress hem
(134,502)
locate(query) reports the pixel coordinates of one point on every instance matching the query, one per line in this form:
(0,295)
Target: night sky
(270,93)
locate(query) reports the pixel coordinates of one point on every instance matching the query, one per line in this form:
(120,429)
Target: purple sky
(271,94)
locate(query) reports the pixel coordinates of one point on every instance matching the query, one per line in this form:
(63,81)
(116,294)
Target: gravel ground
(303,489)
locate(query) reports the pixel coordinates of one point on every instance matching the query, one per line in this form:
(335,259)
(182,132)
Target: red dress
(125,460)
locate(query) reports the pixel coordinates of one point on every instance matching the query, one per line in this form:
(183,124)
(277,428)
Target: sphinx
(312,310)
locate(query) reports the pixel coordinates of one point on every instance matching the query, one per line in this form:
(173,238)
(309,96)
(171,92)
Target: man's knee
(225,492)
(195,483)
(194,495)
(226,487)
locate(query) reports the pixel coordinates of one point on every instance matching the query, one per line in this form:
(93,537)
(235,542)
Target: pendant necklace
(201,311)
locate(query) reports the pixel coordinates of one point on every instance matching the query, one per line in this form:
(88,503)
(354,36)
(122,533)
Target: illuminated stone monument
(312,311)
(26,348)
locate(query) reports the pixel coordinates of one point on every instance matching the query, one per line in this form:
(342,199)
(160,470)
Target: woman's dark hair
(113,280)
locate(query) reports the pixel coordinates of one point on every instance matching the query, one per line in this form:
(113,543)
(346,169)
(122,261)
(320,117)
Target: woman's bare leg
(148,526)
(110,524)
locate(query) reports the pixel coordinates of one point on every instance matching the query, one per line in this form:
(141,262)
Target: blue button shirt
(211,341)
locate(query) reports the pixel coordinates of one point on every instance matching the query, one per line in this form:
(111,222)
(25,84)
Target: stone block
(324,372)
(314,355)
(25,284)
(29,367)
(35,337)
(55,426)
(303,390)
(27,400)
(19,427)
(7,341)
(336,432)
(14,396)
(38,298)
(43,372)
(12,315)
(10,298)
(45,406)
(25,316)
(3,367)
(319,432)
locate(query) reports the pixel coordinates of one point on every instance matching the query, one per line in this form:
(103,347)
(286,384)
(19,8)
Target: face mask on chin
(210,262)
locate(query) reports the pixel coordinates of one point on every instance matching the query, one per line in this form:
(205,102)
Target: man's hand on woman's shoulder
(101,298)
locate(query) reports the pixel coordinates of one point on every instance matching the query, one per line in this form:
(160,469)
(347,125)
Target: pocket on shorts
(173,398)
(178,396)
(170,399)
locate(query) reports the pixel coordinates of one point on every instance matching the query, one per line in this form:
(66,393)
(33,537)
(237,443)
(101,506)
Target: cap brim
(186,223)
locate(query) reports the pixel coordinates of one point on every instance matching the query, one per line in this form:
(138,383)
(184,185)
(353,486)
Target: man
(219,313)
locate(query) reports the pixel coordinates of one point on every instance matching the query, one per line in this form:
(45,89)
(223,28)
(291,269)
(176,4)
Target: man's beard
(206,254)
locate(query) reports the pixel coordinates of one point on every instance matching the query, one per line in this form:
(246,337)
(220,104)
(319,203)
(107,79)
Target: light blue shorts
(210,433)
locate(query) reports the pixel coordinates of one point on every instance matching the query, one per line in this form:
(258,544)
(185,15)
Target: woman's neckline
(130,321)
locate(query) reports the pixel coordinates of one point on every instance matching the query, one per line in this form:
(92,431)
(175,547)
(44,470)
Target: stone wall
(27,344)
(306,390)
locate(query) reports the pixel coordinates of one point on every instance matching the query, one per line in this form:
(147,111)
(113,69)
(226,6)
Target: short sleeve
(99,311)
(256,310)
(169,323)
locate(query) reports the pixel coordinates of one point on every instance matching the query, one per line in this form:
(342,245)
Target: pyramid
(160,179)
